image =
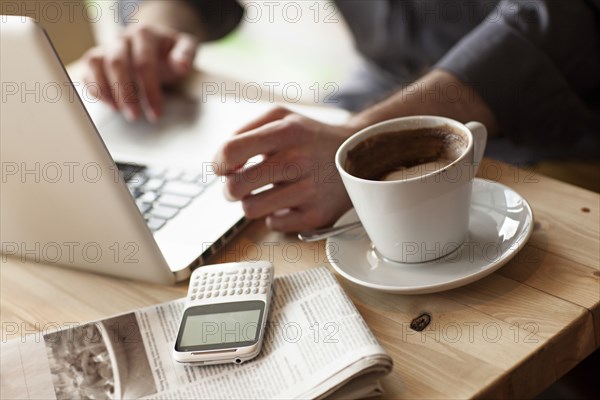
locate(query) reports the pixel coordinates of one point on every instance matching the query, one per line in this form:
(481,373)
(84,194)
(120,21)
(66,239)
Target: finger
(294,220)
(268,139)
(279,168)
(278,198)
(181,56)
(117,65)
(144,51)
(95,79)
(270,116)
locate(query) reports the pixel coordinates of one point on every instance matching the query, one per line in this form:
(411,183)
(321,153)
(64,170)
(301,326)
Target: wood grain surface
(511,334)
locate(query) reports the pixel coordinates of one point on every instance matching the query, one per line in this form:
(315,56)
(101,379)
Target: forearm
(178,15)
(437,93)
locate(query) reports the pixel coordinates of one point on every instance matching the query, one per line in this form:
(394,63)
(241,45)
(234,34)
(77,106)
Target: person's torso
(407,37)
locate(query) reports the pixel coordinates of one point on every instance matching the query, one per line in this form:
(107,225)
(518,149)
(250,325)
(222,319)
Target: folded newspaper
(317,345)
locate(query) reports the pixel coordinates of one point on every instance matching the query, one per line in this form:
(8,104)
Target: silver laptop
(65,201)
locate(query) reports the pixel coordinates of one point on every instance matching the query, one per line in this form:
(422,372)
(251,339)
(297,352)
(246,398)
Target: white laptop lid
(62,200)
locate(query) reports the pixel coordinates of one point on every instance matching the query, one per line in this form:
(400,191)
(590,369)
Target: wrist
(355,123)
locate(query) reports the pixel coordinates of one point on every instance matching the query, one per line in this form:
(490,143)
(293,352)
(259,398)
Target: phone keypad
(211,284)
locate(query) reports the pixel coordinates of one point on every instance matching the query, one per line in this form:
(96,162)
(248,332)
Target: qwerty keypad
(161,193)
(210,284)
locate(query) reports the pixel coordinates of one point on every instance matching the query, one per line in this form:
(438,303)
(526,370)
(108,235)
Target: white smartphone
(225,313)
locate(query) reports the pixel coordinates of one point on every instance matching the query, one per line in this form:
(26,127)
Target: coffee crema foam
(416,171)
(405,154)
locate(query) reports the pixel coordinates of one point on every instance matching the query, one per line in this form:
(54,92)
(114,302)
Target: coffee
(405,154)
(419,219)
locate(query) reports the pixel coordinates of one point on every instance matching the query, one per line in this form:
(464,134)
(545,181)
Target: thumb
(181,56)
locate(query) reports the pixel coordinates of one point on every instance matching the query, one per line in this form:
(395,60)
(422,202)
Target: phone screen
(230,327)
(217,326)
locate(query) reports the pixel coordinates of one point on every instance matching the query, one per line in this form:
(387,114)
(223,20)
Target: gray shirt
(536,63)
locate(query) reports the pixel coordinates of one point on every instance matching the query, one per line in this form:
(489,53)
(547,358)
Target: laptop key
(182,189)
(153,185)
(163,212)
(143,207)
(154,172)
(137,180)
(155,224)
(190,176)
(174,200)
(148,197)
(172,174)
(135,192)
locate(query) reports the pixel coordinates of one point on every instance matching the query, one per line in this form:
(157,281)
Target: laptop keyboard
(161,193)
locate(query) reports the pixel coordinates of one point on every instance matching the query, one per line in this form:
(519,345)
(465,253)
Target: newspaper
(316,345)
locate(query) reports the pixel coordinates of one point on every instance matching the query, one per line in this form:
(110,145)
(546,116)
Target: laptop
(65,201)
(153,215)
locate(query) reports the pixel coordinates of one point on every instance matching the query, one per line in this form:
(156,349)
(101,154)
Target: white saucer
(500,224)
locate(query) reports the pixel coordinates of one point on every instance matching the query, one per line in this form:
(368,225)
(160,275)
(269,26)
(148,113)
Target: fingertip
(183,54)
(228,195)
(271,223)
(287,221)
(152,116)
(130,115)
(216,162)
(277,224)
(154,110)
(180,66)
(222,166)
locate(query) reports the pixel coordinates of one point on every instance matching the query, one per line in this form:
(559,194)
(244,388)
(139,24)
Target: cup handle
(479,132)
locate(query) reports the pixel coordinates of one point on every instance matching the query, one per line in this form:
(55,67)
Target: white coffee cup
(423,216)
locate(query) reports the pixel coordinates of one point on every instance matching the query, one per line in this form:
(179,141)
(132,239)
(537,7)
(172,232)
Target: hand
(307,191)
(129,74)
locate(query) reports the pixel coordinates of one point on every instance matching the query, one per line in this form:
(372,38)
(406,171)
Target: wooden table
(510,334)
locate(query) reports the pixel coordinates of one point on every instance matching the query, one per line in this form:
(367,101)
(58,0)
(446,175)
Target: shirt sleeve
(219,17)
(537,65)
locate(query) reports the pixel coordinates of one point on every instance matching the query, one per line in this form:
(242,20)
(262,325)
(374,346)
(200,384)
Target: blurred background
(299,41)
(290,41)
